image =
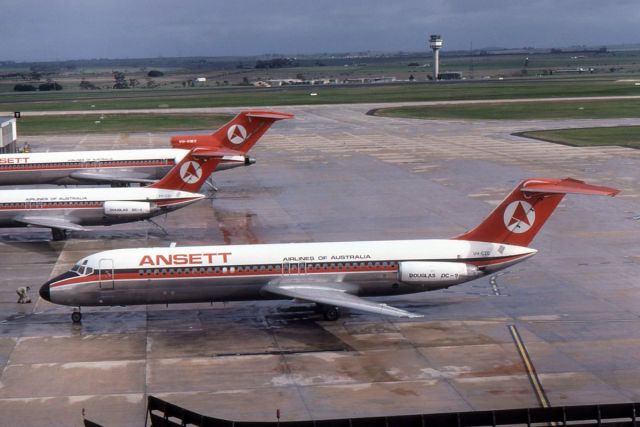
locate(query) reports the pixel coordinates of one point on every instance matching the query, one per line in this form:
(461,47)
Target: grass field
(115,123)
(296,95)
(626,136)
(521,110)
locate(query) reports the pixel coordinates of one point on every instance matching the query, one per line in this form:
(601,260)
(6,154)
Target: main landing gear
(329,312)
(211,185)
(76,316)
(164,230)
(59,234)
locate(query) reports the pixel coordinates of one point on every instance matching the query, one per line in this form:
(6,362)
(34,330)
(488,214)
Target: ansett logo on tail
(190,172)
(236,134)
(519,216)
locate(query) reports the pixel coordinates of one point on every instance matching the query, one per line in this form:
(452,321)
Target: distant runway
(335,173)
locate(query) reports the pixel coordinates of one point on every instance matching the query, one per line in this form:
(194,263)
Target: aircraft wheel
(58,234)
(331,313)
(76,317)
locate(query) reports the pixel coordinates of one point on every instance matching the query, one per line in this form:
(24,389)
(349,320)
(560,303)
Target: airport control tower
(435,42)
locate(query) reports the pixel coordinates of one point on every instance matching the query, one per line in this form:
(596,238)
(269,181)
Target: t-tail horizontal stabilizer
(522,213)
(239,134)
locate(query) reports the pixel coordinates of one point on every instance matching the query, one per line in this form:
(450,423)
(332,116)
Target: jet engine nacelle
(437,273)
(126,209)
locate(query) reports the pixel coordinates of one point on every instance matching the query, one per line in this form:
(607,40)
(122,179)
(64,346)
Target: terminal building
(8,135)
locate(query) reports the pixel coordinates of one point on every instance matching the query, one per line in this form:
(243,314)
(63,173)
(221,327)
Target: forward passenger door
(105,274)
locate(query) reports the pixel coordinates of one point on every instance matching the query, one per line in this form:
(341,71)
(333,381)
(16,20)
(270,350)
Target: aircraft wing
(333,295)
(50,222)
(110,178)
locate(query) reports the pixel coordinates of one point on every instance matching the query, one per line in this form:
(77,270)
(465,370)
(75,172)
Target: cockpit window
(82,269)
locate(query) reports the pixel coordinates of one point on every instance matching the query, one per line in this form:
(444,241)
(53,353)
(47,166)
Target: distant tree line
(87,85)
(22,87)
(121,81)
(276,63)
(49,86)
(33,75)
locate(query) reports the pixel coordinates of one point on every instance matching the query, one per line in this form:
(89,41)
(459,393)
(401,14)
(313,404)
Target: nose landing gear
(76,316)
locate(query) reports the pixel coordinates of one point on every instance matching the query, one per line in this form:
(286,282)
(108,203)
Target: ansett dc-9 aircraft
(144,166)
(64,209)
(332,275)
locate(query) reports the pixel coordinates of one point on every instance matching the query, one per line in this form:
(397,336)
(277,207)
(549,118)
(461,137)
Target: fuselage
(95,206)
(241,272)
(91,167)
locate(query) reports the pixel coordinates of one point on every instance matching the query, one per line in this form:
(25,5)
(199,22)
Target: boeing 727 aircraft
(63,209)
(332,275)
(145,166)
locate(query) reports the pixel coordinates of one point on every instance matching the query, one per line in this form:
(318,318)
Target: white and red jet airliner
(63,209)
(332,275)
(144,166)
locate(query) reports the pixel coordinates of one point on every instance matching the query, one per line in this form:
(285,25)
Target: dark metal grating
(165,414)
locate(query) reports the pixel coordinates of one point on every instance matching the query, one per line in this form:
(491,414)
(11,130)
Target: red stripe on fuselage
(18,167)
(493,261)
(150,273)
(21,167)
(208,274)
(169,202)
(92,205)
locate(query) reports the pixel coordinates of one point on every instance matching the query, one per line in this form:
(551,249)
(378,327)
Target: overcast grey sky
(45,30)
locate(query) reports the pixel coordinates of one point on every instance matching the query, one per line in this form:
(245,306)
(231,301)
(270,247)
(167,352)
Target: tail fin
(191,172)
(240,134)
(522,213)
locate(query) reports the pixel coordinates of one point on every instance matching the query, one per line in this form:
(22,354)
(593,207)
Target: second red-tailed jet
(144,166)
(65,209)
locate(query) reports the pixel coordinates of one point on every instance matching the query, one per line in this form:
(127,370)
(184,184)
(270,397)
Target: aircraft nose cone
(45,292)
